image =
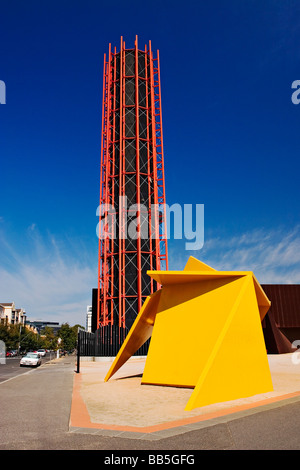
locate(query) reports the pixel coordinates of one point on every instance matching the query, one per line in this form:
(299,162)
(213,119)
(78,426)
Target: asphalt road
(35,410)
(12,368)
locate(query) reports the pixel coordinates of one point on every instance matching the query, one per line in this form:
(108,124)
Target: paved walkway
(123,407)
(54,408)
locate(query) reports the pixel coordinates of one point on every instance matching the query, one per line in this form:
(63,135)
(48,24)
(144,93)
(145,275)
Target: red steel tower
(132,224)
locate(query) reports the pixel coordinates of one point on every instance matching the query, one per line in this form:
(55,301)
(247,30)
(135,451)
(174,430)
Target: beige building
(10,314)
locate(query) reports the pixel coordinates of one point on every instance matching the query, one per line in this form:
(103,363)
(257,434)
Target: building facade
(9,314)
(281,325)
(39,325)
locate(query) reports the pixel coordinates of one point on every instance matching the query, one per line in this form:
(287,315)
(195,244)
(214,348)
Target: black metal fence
(104,342)
(86,343)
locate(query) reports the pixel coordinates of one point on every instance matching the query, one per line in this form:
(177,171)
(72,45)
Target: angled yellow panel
(185,277)
(139,333)
(206,334)
(237,366)
(194,264)
(191,317)
(262,300)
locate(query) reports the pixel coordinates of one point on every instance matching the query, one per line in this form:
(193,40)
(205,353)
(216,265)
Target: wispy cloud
(52,279)
(273,255)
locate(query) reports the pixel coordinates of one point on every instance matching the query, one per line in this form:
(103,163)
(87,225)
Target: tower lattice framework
(132,224)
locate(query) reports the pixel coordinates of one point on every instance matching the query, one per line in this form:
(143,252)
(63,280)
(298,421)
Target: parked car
(41,352)
(11,353)
(30,359)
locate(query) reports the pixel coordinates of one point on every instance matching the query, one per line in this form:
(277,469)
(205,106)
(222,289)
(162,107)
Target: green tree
(29,340)
(68,336)
(17,336)
(49,339)
(11,335)
(4,333)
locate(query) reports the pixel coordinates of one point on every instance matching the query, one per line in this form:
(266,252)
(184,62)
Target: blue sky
(231,137)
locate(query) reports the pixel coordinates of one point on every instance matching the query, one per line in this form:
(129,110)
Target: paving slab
(125,408)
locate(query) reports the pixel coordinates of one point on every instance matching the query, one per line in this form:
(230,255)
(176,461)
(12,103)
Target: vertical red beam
(148,166)
(120,180)
(113,176)
(162,167)
(101,188)
(107,200)
(138,194)
(122,184)
(156,215)
(123,192)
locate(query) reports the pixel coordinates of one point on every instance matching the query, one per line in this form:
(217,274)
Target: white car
(31,359)
(41,352)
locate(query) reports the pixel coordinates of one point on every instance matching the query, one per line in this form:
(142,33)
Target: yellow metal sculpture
(206,334)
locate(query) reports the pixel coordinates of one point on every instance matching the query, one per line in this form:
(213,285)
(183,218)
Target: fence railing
(104,342)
